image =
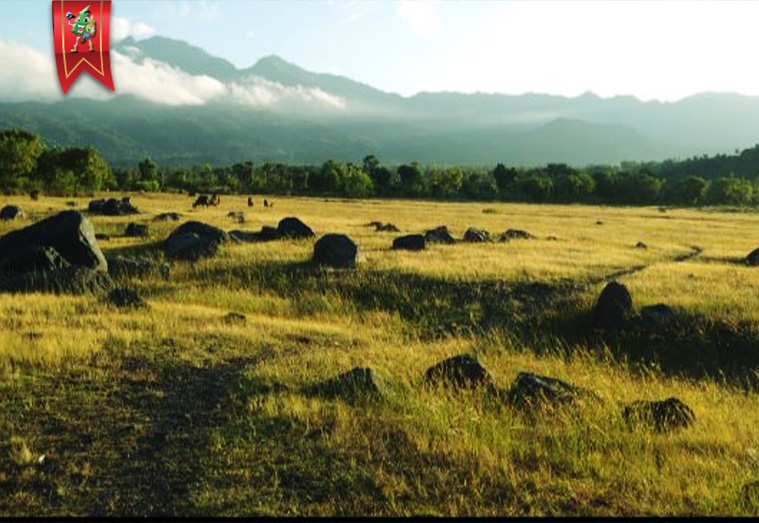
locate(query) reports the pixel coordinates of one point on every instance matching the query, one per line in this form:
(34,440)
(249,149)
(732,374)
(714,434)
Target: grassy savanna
(176,410)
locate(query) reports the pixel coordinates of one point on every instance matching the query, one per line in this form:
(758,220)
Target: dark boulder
(515,234)
(11,212)
(168,217)
(112,207)
(336,250)
(476,236)
(136,230)
(122,297)
(461,371)
(663,416)
(266,234)
(203,230)
(189,246)
(410,242)
(641,245)
(69,233)
(439,234)
(69,280)
(656,318)
(614,307)
(753,258)
(294,228)
(531,390)
(121,266)
(203,200)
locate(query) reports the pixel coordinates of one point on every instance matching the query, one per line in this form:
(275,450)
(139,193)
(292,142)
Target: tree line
(26,164)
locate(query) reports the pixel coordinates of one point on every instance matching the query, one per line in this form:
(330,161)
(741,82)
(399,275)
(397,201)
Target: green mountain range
(277,111)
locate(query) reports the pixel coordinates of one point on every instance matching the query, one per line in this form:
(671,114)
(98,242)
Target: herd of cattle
(205,200)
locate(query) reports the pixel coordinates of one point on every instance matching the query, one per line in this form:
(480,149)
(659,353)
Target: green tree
(536,187)
(504,176)
(412,182)
(19,151)
(356,183)
(729,191)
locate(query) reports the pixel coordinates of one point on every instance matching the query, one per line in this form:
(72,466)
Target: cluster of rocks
(11,212)
(58,254)
(288,228)
(528,391)
(113,207)
(441,234)
(614,311)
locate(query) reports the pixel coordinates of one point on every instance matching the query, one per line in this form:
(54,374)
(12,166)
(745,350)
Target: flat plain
(180,409)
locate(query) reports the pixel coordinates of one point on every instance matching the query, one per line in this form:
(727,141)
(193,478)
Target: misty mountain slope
(275,110)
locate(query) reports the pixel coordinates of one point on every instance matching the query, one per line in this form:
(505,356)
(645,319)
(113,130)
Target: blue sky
(649,49)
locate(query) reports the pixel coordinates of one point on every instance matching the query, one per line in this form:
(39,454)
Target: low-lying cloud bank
(30,75)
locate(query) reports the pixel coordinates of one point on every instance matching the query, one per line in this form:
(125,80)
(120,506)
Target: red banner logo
(81,32)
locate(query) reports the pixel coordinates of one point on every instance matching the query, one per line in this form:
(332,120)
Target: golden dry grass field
(174,410)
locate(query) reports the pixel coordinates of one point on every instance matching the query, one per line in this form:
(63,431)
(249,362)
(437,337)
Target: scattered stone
(131,266)
(439,234)
(292,227)
(656,318)
(168,217)
(461,371)
(410,242)
(113,207)
(552,238)
(72,204)
(11,212)
(136,230)
(476,236)
(194,240)
(515,234)
(123,297)
(663,416)
(614,307)
(599,222)
(235,317)
(102,236)
(374,224)
(69,280)
(387,227)
(69,233)
(753,258)
(357,382)
(531,389)
(336,250)
(237,216)
(641,245)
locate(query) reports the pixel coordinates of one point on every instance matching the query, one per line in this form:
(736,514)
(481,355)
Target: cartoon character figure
(84,27)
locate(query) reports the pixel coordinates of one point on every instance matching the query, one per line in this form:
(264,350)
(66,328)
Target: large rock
(69,233)
(753,258)
(11,212)
(203,230)
(386,227)
(663,416)
(461,371)
(189,246)
(294,228)
(336,250)
(439,234)
(136,230)
(614,307)
(531,390)
(69,280)
(476,236)
(113,207)
(410,242)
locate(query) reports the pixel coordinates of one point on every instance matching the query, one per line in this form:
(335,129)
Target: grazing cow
(271,205)
(250,202)
(202,200)
(35,195)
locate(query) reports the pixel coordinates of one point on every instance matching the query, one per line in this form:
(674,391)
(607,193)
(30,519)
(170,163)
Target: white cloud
(419,15)
(31,75)
(121,28)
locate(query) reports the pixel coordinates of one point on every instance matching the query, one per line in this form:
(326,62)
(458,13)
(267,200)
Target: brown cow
(250,202)
(202,200)
(35,195)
